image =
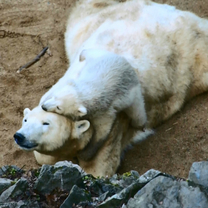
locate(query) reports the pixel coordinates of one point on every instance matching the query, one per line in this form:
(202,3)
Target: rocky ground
(65,185)
(28,26)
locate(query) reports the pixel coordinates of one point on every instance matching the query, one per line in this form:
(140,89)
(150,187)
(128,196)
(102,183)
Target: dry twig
(37,58)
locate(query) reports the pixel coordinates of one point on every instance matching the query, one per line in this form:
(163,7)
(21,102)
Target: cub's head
(48,132)
(65,102)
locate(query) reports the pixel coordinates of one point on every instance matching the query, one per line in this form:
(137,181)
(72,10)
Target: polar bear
(54,137)
(106,83)
(166,47)
(47,127)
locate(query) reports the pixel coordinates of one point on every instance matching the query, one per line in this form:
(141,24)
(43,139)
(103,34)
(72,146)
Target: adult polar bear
(168,49)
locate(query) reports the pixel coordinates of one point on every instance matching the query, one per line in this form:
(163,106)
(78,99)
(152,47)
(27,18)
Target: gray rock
(16,190)
(20,204)
(135,173)
(61,175)
(199,173)
(117,200)
(125,180)
(149,175)
(151,190)
(70,165)
(4,184)
(164,192)
(76,196)
(103,197)
(101,185)
(5,206)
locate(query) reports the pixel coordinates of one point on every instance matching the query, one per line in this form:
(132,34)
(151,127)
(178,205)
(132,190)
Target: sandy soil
(25,28)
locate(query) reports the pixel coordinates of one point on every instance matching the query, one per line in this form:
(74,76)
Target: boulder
(199,173)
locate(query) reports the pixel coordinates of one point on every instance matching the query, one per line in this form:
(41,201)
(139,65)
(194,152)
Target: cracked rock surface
(66,185)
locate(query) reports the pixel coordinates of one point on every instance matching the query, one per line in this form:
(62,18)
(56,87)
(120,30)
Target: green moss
(127,174)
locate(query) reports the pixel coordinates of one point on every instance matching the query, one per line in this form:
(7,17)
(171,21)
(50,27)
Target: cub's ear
(80,127)
(82,111)
(26,111)
(82,56)
(93,53)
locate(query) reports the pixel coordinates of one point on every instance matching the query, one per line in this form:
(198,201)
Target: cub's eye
(45,123)
(58,108)
(25,120)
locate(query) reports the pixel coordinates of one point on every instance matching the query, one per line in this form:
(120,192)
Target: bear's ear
(82,111)
(80,127)
(26,111)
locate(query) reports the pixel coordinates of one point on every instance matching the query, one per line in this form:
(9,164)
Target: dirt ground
(25,28)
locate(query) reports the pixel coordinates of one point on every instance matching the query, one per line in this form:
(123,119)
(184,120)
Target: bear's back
(109,74)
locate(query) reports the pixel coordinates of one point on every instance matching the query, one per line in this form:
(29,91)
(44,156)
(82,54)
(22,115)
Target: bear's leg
(173,105)
(105,163)
(162,111)
(107,159)
(136,111)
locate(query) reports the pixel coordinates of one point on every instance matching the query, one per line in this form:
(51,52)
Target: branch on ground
(37,58)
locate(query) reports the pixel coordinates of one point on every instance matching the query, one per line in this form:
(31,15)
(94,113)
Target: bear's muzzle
(19,138)
(22,141)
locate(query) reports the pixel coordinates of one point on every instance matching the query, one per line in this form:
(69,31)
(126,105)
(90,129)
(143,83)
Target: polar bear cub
(106,83)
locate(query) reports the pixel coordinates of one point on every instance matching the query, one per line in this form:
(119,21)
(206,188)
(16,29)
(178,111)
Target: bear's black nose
(19,138)
(44,108)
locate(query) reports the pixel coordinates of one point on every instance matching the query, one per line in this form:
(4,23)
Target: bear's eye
(45,123)
(25,120)
(58,108)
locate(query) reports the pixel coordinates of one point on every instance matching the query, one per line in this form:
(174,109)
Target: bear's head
(52,134)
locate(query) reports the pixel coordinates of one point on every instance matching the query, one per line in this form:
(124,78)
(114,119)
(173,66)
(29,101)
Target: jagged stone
(165,192)
(149,175)
(107,186)
(70,165)
(103,197)
(101,185)
(4,184)
(76,196)
(62,175)
(117,200)
(135,174)
(20,204)
(5,206)
(153,189)
(15,190)
(125,180)
(199,173)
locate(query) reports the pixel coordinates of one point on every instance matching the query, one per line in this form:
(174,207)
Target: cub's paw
(51,106)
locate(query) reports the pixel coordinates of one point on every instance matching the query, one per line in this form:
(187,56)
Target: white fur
(40,129)
(167,48)
(63,139)
(106,84)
